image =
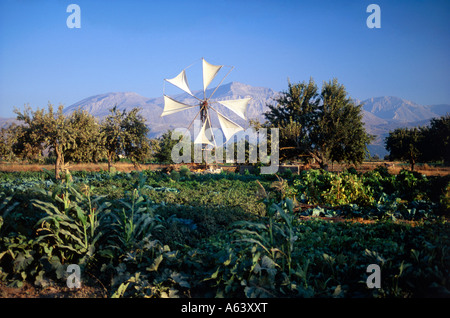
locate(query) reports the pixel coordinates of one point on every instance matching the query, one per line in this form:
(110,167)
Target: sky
(132,46)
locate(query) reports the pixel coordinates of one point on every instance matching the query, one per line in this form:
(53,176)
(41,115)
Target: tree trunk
(109,161)
(320,160)
(323,165)
(57,163)
(412,162)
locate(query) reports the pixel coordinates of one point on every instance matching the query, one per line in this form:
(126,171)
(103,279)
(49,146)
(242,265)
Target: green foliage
(436,140)
(163,146)
(295,113)
(316,258)
(125,134)
(347,188)
(136,222)
(8,137)
(72,222)
(88,139)
(421,144)
(403,144)
(146,235)
(372,192)
(185,172)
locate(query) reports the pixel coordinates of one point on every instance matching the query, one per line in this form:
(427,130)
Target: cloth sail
(201,137)
(229,127)
(172,106)
(238,106)
(181,82)
(209,72)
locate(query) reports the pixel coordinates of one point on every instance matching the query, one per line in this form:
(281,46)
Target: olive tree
(324,126)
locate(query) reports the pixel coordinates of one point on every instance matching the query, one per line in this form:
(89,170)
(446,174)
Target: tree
(421,144)
(339,135)
(88,139)
(113,135)
(295,114)
(8,137)
(28,143)
(435,145)
(326,126)
(162,147)
(125,134)
(136,144)
(42,130)
(404,144)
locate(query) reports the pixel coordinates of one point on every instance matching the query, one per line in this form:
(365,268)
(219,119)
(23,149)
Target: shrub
(175,175)
(185,172)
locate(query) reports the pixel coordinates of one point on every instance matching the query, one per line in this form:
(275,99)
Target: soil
(29,291)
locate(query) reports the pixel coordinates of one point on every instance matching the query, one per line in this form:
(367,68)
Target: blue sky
(133,45)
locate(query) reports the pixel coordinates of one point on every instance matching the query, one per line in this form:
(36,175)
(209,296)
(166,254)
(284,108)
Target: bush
(347,188)
(175,175)
(185,172)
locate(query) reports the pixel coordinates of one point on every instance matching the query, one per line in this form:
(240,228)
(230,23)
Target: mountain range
(380,114)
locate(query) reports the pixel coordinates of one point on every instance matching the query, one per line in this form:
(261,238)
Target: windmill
(206,105)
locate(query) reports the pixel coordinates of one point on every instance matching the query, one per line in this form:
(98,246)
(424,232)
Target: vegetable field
(152,234)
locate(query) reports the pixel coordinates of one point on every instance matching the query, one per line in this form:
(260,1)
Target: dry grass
(10,167)
(393,167)
(120,166)
(434,171)
(396,167)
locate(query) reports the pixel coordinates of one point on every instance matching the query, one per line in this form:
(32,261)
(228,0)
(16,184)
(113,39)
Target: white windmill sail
(209,72)
(181,82)
(172,106)
(239,106)
(201,137)
(229,127)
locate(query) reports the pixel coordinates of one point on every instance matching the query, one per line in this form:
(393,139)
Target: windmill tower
(206,105)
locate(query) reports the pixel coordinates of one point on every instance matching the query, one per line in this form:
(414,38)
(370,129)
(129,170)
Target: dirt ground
(393,167)
(29,291)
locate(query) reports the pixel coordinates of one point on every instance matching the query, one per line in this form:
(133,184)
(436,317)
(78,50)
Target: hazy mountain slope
(398,109)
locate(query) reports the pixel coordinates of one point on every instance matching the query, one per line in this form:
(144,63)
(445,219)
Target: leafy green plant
(5,208)
(265,261)
(148,280)
(73,220)
(185,172)
(175,175)
(135,221)
(347,188)
(445,198)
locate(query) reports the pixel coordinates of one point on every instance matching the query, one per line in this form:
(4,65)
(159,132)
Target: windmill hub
(203,110)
